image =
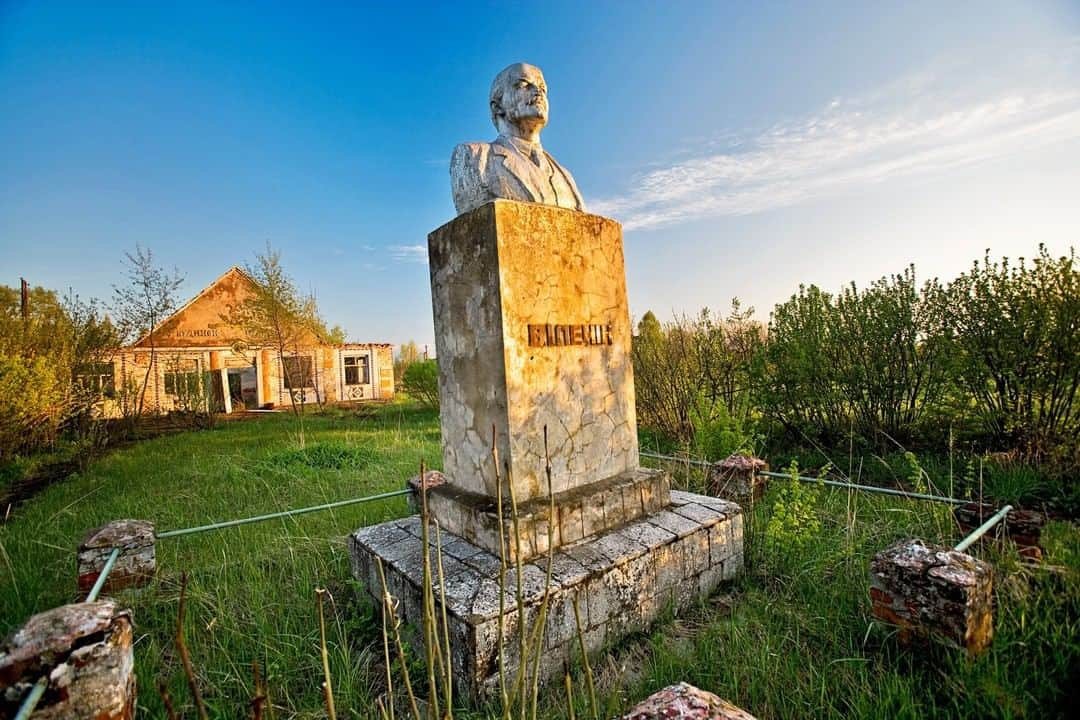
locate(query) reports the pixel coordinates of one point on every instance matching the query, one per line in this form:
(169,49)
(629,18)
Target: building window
(97,378)
(185,383)
(356,370)
(182,377)
(298,372)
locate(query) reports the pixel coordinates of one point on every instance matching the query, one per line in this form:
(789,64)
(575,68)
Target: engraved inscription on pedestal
(504,278)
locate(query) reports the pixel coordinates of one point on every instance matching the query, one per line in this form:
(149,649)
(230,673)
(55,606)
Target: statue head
(518,100)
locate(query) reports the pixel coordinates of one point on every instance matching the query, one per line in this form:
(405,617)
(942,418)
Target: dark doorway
(243,388)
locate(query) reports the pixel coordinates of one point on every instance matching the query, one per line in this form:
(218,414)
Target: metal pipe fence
(982,529)
(29,704)
(38,690)
(283,513)
(869,488)
(831,483)
(103,575)
(32,698)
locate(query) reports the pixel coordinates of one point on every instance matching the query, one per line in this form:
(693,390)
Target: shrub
(692,377)
(421,381)
(34,402)
(794,521)
(870,360)
(1014,333)
(717,434)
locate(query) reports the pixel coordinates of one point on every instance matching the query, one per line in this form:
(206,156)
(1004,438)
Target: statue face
(524,97)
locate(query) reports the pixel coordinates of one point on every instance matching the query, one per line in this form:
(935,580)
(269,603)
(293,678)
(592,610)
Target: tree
(869,361)
(407,354)
(148,298)
(692,377)
(421,382)
(45,385)
(92,341)
(279,316)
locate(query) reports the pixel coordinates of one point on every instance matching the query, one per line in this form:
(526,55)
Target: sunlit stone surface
(532,330)
(622,578)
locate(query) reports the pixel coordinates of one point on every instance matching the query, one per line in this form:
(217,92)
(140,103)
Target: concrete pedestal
(532,331)
(536,389)
(622,578)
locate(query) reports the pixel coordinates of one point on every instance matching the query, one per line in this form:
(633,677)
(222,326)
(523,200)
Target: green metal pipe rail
(869,488)
(982,529)
(100,582)
(29,704)
(35,694)
(32,698)
(960,547)
(283,513)
(831,483)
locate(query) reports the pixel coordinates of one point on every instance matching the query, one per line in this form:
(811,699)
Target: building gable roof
(199,322)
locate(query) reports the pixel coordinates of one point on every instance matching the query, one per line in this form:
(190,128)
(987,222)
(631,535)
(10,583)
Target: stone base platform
(579,513)
(622,579)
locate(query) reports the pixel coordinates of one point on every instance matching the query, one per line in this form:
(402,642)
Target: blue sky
(746,147)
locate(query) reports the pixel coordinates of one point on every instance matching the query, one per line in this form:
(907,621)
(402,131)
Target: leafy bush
(421,381)
(794,521)
(692,377)
(45,386)
(717,434)
(407,354)
(870,361)
(34,402)
(1014,334)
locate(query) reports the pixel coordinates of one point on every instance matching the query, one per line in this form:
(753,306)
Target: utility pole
(24,297)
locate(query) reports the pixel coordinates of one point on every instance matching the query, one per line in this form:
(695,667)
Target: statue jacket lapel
(513,172)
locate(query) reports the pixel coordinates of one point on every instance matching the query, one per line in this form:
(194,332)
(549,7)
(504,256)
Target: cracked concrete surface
(622,577)
(495,271)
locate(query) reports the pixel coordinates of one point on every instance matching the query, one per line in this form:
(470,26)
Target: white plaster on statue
(515,165)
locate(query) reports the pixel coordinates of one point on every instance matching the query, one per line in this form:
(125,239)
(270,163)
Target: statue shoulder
(468,165)
(471,153)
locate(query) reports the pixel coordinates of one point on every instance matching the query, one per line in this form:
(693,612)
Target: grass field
(791,638)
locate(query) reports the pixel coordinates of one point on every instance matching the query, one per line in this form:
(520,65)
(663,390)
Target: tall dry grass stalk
(327,686)
(504,698)
(519,695)
(182,649)
(395,626)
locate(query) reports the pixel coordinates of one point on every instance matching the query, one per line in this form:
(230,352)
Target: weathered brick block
(133,568)
(934,592)
(685,702)
(1023,527)
(737,478)
(85,650)
(432,479)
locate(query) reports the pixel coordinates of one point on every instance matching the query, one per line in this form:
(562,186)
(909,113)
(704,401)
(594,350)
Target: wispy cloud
(408,253)
(925,123)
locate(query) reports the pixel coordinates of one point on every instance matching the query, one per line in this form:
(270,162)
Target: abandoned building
(200,360)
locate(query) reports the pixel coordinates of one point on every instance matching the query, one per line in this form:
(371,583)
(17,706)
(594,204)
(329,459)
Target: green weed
(788,639)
